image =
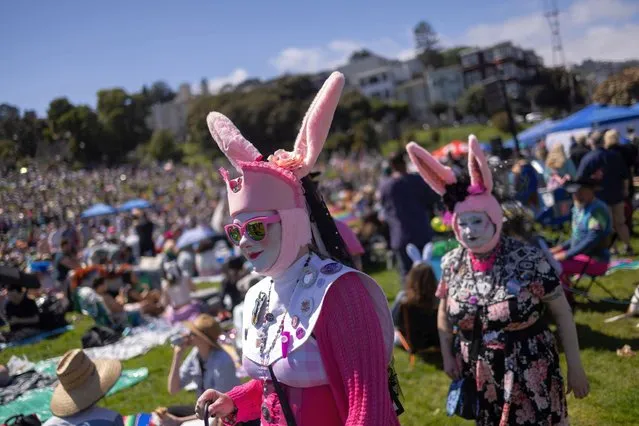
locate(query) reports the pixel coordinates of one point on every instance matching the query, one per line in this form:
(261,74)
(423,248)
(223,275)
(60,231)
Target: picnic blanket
(142,419)
(38,400)
(622,264)
(146,419)
(38,337)
(23,383)
(137,342)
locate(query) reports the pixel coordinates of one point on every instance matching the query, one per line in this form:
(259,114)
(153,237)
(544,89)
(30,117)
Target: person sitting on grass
(83,383)
(22,315)
(416,317)
(587,250)
(176,294)
(207,365)
(121,313)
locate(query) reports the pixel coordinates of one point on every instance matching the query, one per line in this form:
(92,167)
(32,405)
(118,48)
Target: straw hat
(206,327)
(82,382)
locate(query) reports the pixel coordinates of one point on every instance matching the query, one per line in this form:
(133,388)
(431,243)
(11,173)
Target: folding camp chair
(416,341)
(556,210)
(594,278)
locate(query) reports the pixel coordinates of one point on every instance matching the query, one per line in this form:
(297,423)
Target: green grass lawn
(614,380)
(447,134)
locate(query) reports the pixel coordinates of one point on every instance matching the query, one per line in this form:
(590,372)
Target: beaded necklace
(269,317)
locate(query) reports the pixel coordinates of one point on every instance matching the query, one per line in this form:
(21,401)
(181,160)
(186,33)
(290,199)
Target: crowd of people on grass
(314,332)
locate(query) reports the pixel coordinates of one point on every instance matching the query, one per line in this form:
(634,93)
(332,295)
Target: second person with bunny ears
(318,335)
(494,291)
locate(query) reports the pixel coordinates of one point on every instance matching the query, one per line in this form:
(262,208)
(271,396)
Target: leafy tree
(8,153)
(500,121)
(364,137)
(9,122)
(337,141)
(551,89)
(619,89)
(451,56)
(85,134)
(57,108)
(24,130)
(162,146)
(427,44)
(472,101)
(438,108)
(123,117)
(160,92)
(30,133)
(360,54)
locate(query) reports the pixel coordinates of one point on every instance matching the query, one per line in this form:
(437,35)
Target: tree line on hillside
(269,114)
(116,130)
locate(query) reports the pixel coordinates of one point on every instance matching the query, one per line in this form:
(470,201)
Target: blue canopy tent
(137,203)
(593,116)
(531,135)
(98,210)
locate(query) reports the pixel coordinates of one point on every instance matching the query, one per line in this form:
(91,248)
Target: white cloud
(597,29)
(334,54)
(304,60)
(612,43)
(586,11)
(237,76)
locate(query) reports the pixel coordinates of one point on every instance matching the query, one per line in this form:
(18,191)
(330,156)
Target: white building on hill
(407,81)
(172,115)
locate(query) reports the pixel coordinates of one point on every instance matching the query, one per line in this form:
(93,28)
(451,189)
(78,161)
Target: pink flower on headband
(476,189)
(286,160)
(448,218)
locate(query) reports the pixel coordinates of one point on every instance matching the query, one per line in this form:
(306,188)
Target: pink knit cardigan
(350,341)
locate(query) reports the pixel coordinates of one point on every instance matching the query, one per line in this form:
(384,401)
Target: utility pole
(558,55)
(511,119)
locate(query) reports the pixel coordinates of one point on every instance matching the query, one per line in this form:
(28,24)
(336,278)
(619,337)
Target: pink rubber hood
(480,197)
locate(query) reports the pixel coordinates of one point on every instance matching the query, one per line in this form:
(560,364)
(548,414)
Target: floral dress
(517,371)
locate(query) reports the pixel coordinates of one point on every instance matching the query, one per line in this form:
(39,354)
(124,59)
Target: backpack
(22,420)
(99,336)
(51,312)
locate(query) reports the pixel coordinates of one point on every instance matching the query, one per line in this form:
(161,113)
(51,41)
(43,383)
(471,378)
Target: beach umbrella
(194,236)
(137,203)
(456,148)
(98,210)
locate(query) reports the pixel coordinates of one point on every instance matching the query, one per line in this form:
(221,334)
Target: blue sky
(74,48)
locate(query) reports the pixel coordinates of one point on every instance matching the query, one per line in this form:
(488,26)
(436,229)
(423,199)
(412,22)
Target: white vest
(303,366)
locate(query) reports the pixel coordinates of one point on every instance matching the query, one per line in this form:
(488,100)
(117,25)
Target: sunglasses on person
(254,228)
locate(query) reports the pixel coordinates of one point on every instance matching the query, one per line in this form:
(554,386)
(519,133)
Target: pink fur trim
(478,165)
(317,123)
(448,218)
(230,140)
(436,175)
(274,170)
(476,189)
(224,173)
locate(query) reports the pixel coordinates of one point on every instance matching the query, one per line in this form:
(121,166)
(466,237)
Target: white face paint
(475,229)
(261,254)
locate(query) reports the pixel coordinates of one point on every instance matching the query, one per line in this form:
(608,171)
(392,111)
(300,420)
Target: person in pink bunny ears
(494,291)
(317,335)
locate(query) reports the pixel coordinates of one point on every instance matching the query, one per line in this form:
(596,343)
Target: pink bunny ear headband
(275,184)
(477,197)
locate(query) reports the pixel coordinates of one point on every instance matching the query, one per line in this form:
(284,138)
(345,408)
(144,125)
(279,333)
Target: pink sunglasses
(254,228)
